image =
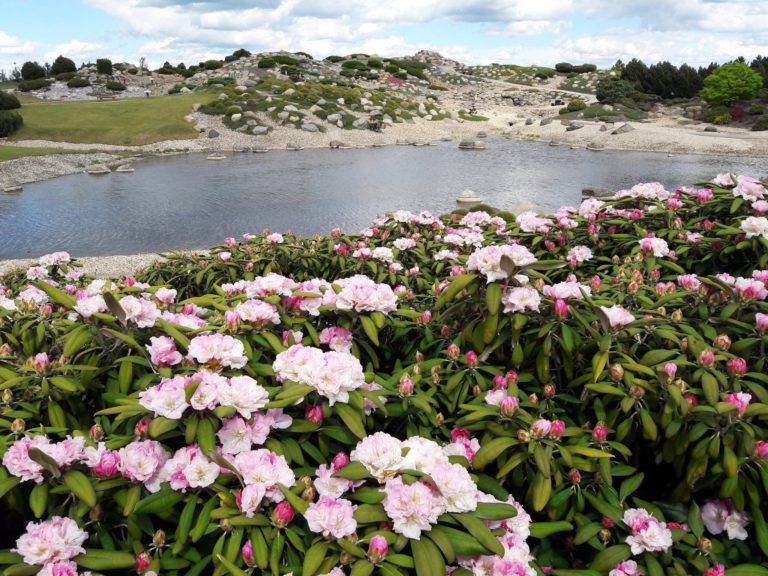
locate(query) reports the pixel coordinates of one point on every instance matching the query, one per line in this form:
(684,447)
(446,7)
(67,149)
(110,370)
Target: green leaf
(38,500)
(747,570)
(370,329)
(542,530)
(230,567)
(158,502)
(352,418)
(495,511)
(427,558)
(606,559)
(353,471)
(45,461)
(105,560)
(492,450)
(8,484)
(493,298)
(313,559)
(541,490)
(480,531)
(81,487)
(589,452)
(294,500)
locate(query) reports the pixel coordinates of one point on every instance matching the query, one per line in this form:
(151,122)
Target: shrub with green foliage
(731,83)
(354,65)
(32,71)
(375,63)
(611,90)
(224,80)
(78,82)
(104,66)
(335,59)
(267,63)
(576,104)
(62,65)
(237,55)
(718,115)
(10,122)
(115,86)
(579,395)
(37,84)
(761,124)
(65,76)
(8,101)
(213,64)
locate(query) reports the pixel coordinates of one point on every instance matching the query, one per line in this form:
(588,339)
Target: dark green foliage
(115,86)
(267,63)
(718,115)
(611,89)
(8,101)
(564,67)
(731,83)
(305,55)
(10,122)
(663,79)
(707,70)
(62,65)
(375,63)
(354,64)
(32,71)
(237,54)
(412,67)
(212,64)
(437,87)
(37,84)
(104,66)
(756,109)
(576,104)
(334,59)
(567,67)
(226,81)
(65,76)
(761,124)
(78,82)
(760,65)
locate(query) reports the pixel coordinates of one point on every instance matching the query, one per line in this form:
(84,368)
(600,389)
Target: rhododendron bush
(583,393)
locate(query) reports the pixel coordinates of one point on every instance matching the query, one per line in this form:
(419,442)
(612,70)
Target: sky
(524,32)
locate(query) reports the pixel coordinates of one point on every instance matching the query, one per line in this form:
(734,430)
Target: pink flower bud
(557,429)
(607,522)
(142,427)
(549,245)
(670,370)
(499,382)
(96,433)
(225,256)
(549,390)
(512,377)
(737,367)
(283,514)
(188,309)
(425,318)
(472,358)
(460,435)
(716,569)
(722,342)
(509,406)
(314,414)
(378,548)
(41,362)
(339,461)
(599,433)
(692,400)
(247,552)
(739,399)
(561,309)
(574,476)
(143,560)
(405,388)
(445,331)
(229,241)
(707,358)
(540,428)
(761,323)
(761,450)
(46,309)
(232,320)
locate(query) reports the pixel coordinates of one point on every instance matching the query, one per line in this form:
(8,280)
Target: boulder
(283,115)
(574,126)
(623,129)
(213,134)
(545,121)
(259,149)
(482,134)
(292,146)
(710,129)
(529,121)
(360,124)
(333,118)
(337,144)
(309,128)
(236,117)
(472,145)
(290,108)
(289,92)
(603,128)
(259,130)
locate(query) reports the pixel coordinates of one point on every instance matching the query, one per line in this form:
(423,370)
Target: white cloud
(78,50)
(13,50)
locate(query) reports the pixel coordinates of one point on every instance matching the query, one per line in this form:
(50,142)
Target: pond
(185,202)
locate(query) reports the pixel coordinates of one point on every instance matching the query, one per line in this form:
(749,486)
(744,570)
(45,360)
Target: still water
(187,202)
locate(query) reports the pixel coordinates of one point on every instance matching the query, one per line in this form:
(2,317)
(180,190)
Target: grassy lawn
(13,152)
(124,122)
(8,85)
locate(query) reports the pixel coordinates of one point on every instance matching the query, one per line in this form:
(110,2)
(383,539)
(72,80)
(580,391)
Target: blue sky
(473,31)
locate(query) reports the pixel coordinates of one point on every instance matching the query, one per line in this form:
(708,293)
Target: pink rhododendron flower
(218,349)
(626,568)
(258,313)
(618,316)
(361,294)
(162,351)
(167,399)
(521,299)
(143,461)
(648,533)
(266,468)
(90,305)
(337,338)
(102,462)
(740,400)
(380,453)
(580,253)
(54,540)
(235,435)
(455,486)
(412,509)
(62,568)
(143,313)
(331,517)
(55,259)
(488,260)
(567,290)
(249,499)
(716,569)
(657,246)
(720,516)
(189,468)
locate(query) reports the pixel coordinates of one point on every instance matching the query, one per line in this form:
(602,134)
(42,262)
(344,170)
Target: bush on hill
(115,86)
(65,76)
(78,82)
(37,84)
(32,71)
(104,66)
(62,65)
(731,83)
(212,64)
(10,122)
(761,124)
(8,101)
